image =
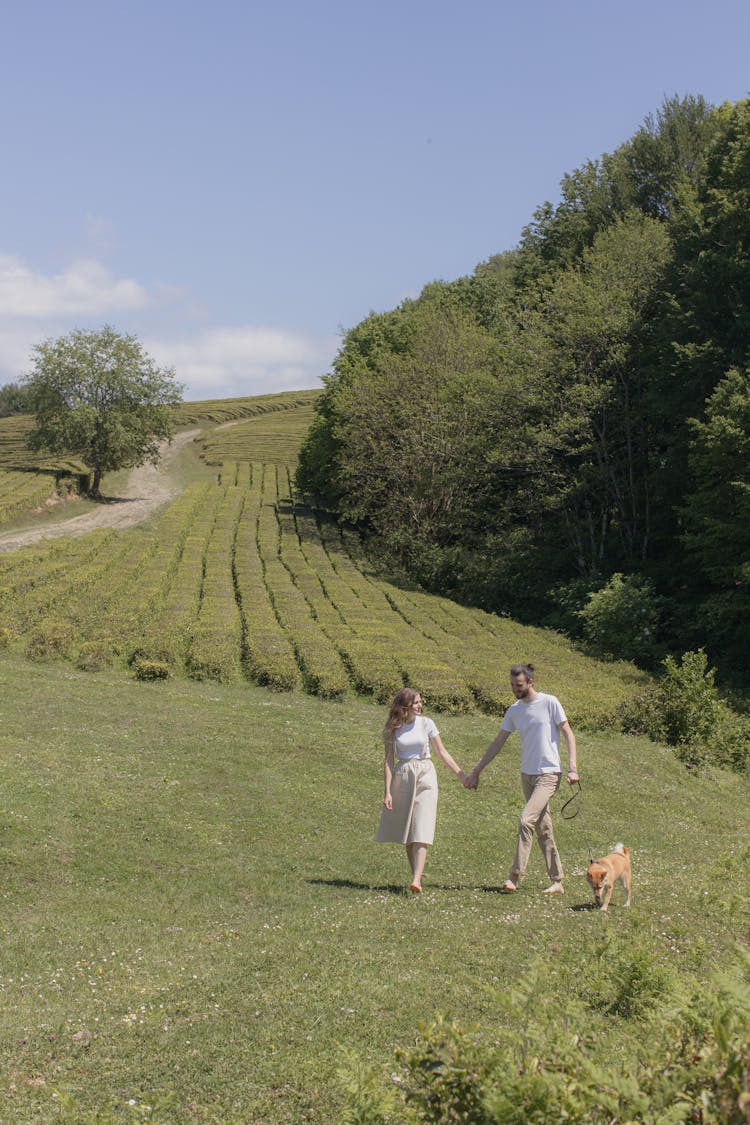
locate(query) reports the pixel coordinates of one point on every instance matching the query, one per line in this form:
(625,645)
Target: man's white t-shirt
(537,723)
(412,737)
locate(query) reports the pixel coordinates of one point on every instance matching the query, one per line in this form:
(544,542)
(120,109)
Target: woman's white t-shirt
(411,738)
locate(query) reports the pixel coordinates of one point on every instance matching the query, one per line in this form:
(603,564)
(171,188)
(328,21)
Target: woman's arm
(390,752)
(444,756)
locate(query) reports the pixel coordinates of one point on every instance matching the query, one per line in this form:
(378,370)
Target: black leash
(576,799)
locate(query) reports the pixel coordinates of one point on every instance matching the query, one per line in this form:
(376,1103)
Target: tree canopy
(569,412)
(13,400)
(97,394)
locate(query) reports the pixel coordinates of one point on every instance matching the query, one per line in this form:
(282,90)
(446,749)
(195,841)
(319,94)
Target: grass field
(29,479)
(239,579)
(197,924)
(273,437)
(196,919)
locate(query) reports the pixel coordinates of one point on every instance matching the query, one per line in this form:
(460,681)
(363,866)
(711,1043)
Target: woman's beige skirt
(415,792)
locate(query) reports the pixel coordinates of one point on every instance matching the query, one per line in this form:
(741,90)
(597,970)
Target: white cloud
(227,362)
(211,361)
(85,288)
(16,342)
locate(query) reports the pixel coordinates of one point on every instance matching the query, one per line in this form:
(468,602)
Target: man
(539,720)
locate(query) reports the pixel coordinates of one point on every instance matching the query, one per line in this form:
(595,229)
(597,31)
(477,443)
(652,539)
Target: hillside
(239,579)
(198,926)
(196,919)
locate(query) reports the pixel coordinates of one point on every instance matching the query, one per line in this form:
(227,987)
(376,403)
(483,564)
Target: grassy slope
(196,918)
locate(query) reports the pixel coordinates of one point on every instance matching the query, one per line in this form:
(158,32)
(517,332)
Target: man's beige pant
(538,789)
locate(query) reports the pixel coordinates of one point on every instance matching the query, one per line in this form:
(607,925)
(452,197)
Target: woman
(411,790)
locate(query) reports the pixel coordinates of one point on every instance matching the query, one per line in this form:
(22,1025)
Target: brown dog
(603,873)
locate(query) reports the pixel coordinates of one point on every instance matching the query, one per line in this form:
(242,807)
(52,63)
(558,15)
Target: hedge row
(43,577)
(239,578)
(232,409)
(215,642)
(365,645)
(267,652)
(323,671)
(272,437)
(128,606)
(84,599)
(485,645)
(19,492)
(422,662)
(164,637)
(15,454)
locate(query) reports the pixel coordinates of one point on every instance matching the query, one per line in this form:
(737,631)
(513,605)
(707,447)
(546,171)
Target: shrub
(95,655)
(159,651)
(690,699)
(50,640)
(732,741)
(150,669)
(568,600)
(367,1102)
(628,981)
(620,621)
(448,1074)
(694,1063)
(684,710)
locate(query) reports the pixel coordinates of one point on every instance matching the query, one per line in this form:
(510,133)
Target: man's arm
(490,753)
(570,741)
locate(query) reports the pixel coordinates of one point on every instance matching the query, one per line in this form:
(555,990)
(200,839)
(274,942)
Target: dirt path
(148,488)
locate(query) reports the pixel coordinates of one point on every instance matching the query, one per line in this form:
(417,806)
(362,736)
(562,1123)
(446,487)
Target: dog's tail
(621,849)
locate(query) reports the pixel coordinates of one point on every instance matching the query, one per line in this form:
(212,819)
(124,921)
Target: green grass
(15,454)
(196,917)
(317,593)
(274,437)
(233,409)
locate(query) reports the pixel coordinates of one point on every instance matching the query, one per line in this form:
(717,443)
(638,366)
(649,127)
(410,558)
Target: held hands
(471,780)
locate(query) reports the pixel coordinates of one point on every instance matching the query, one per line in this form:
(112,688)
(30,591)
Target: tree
(12,400)
(595,316)
(716,512)
(100,396)
(705,324)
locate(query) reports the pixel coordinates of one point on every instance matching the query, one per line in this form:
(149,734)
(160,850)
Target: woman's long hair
(400,710)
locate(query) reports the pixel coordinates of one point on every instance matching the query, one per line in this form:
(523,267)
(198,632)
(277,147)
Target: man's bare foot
(509,886)
(553,889)
(416,888)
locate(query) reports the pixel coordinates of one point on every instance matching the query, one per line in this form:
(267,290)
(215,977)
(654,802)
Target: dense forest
(563,436)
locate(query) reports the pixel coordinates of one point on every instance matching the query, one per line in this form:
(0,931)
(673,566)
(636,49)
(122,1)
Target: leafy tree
(595,316)
(668,152)
(646,173)
(13,400)
(716,523)
(704,326)
(717,509)
(528,427)
(620,621)
(97,394)
(410,430)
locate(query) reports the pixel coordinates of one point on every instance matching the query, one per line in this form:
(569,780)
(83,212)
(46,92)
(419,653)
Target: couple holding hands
(410,798)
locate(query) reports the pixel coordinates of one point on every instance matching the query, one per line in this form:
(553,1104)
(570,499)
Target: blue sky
(237,183)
